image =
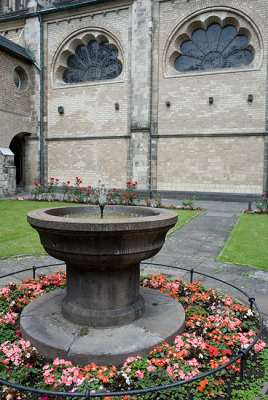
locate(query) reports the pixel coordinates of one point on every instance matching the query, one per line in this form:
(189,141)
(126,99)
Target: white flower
(249,313)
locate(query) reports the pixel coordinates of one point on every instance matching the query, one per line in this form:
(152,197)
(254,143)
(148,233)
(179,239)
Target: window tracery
(92,62)
(88,57)
(218,40)
(214,48)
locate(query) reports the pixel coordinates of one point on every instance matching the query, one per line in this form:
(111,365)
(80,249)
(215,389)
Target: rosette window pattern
(92,62)
(214,48)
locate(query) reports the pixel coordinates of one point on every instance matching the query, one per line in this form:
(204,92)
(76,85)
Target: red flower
(213,351)
(264,195)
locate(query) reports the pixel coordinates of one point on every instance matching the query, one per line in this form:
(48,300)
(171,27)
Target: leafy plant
(262,204)
(215,331)
(189,203)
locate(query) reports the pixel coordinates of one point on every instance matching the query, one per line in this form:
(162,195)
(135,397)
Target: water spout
(102,201)
(101,209)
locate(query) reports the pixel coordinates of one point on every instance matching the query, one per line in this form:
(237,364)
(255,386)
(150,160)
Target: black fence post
(251,300)
(34,269)
(243,363)
(192,273)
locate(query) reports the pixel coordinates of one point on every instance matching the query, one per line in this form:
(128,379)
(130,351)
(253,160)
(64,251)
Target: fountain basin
(102,258)
(103,315)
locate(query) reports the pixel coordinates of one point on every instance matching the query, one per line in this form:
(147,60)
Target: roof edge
(16,49)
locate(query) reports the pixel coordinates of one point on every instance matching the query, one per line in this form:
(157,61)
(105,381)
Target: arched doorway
(17,146)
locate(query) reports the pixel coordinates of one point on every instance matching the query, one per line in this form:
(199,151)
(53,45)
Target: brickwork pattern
(15,106)
(188,94)
(89,107)
(162,147)
(211,164)
(90,160)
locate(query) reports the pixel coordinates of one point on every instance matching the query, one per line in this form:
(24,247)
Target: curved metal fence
(241,355)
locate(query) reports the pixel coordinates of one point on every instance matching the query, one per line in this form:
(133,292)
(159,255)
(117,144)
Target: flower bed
(261,206)
(217,327)
(76,193)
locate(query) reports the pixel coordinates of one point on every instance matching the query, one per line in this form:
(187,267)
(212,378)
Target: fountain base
(44,325)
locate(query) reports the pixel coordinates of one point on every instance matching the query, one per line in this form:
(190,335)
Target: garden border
(242,353)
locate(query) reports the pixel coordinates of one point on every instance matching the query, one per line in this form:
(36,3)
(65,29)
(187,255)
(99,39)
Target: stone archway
(17,146)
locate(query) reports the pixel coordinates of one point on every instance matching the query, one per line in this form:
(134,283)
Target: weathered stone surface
(43,324)
(102,258)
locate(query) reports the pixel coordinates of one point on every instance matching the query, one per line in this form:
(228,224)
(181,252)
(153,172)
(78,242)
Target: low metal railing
(242,353)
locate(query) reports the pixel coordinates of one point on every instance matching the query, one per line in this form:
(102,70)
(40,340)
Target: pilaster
(140,114)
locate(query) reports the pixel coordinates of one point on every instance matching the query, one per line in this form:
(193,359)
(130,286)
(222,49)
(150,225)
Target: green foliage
(189,203)
(45,191)
(248,242)
(262,204)
(251,387)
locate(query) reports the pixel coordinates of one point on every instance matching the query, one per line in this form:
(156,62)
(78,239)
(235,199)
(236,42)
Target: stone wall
(211,164)
(152,123)
(9,6)
(89,138)
(7,173)
(185,146)
(15,105)
(18,116)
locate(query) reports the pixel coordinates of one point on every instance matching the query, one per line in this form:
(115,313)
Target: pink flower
(139,374)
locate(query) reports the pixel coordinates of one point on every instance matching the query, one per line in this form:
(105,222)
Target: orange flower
(93,367)
(203,383)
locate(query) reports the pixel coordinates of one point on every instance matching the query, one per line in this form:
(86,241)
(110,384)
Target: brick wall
(15,107)
(90,160)
(211,164)
(189,157)
(89,107)
(191,145)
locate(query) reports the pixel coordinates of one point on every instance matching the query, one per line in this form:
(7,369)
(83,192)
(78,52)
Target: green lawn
(248,244)
(17,237)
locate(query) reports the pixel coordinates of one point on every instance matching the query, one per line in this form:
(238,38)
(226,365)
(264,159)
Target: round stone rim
(144,218)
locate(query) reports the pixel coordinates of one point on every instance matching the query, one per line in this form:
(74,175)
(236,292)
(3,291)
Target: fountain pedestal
(103,291)
(101,295)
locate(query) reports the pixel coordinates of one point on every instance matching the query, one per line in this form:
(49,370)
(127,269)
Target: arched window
(214,48)
(213,41)
(92,62)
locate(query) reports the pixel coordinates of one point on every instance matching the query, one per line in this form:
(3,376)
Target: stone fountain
(103,315)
